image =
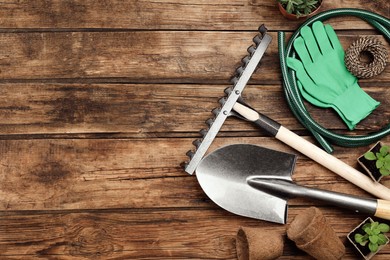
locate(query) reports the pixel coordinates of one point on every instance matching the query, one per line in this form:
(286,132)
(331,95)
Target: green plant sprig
(382,159)
(373,235)
(299,7)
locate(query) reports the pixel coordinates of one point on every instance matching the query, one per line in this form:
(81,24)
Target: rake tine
(210,122)
(239,81)
(228,90)
(251,50)
(234,80)
(216,111)
(197,142)
(203,132)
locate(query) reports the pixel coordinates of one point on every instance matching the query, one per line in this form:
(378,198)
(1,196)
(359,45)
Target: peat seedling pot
(294,16)
(370,165)
(364,250)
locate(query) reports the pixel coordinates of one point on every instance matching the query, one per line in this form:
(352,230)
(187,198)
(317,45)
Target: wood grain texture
(164,14)
(139,234)
(138,56)
(92,174)
(100,101)
(150,110)
(383,209)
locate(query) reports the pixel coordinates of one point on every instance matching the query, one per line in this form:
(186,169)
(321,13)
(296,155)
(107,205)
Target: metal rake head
(232,94)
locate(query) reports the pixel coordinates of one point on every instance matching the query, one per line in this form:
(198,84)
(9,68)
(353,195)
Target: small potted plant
(298,9)
(369,238)
(376,162)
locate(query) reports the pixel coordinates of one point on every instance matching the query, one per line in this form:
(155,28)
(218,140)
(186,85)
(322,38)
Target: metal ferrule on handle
(287,189)
(314,152)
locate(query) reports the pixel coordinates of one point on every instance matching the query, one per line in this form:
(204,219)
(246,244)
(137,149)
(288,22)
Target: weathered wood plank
(84,197)
(137,56)
(129,234)
(141,110)
(92,174)
(163,14)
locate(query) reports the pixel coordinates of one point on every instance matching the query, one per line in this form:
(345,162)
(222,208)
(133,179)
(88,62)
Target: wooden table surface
(100,100)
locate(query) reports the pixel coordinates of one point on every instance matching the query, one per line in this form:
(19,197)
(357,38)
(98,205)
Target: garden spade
(254,181)
(233,104)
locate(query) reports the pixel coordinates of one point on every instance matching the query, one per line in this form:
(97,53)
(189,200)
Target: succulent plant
(300,7)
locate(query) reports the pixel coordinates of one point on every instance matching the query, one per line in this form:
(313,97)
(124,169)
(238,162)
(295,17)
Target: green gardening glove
(318,103)
(324,78)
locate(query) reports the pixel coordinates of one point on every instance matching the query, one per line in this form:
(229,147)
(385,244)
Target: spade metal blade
(223,176)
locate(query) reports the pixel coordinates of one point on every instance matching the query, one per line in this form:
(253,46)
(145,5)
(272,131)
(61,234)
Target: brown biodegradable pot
(259,244)
(295,17)
(311,233)
(369,166)
(363,250)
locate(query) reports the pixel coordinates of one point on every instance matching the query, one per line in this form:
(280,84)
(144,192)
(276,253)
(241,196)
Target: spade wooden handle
(383,209)
(314,152)
(283,188)
(332,163)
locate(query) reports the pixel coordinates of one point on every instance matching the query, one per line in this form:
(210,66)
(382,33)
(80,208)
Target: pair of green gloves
(323,78)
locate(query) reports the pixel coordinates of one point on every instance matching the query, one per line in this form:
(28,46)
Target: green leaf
(370,156)
(376,231)
(384,227)
(373,247)
(384,172)
(368,231)
(381,239)
(367,225)
(384,150)
(312,2)
(387,162)
(358,238)
(378,155)
(289,7)
(373,239)
(379,163)
(300,7)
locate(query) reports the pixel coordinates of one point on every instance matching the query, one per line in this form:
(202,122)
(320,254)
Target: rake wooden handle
(314,152)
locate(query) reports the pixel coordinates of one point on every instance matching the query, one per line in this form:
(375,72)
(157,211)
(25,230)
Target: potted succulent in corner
(369,238)
(298,9)
(376,162)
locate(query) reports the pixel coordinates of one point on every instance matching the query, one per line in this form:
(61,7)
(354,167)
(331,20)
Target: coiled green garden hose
(294,99)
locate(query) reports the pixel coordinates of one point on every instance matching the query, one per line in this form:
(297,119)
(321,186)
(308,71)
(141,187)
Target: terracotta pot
(295,17)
